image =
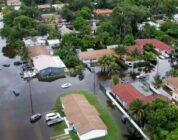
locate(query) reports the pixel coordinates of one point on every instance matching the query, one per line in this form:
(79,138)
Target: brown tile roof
(172,81)
(95,54)
(155,42)
(103,11)
(130,49)
(83,115)
(38,50)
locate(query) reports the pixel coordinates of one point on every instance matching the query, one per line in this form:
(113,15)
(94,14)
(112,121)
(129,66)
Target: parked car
(66,85)
(51,116)
(17,63)
(161,57)
(35,117)
(165,55)
(54,121)
(141,76)
(124,81)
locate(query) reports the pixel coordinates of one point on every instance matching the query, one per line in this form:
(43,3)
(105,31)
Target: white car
(165,55)
(51,116)
(141,76)
(66,85)
(161,57)
(54,121)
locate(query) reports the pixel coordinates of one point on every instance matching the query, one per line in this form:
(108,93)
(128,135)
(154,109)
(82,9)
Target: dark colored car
(35,117)
(17,63)
(16,93)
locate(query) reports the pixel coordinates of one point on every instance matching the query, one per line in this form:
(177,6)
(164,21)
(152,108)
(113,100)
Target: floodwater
(15,111)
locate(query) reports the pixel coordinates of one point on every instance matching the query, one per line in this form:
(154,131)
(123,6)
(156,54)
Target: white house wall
(93,134)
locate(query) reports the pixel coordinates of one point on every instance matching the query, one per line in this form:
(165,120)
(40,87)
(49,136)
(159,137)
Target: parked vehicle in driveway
(165,55)
(124,81)
(51,116)
(54,121)
(35,117)
(161,57)
(66,85)
(141,76)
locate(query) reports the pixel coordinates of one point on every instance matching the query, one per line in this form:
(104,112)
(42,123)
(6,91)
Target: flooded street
(15,111)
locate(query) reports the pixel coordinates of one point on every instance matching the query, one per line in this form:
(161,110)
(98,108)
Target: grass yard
(113,130)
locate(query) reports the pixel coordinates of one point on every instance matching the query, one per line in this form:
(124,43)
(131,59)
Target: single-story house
(13,2)
(93,55)
(125,93)
(47,65)
(172,84)
(43,6)
(48,17)
(103,11)
(38,50)
(83,117)
(53,43)
(159,46)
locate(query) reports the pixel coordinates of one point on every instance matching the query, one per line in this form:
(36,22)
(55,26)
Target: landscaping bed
(113,131)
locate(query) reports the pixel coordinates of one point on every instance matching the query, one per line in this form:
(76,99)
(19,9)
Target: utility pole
(157,66)
(94,80)
(30,92)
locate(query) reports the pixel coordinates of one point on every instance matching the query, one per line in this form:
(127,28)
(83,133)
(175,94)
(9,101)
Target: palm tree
(157,81)
(136,108)
(113,69)
(105,61)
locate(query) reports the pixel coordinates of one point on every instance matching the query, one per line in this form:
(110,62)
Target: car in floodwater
(35,117)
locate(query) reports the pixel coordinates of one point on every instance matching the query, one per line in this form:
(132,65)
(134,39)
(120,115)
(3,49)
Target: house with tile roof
(103,11)
(159,46)
(83,117)
(125,93)
(94,55)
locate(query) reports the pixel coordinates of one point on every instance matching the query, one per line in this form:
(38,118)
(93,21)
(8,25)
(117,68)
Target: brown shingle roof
(172,81)
(38,50)
(95,54)
(83,115)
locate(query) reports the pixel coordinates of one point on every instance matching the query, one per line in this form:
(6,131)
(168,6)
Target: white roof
(141,26)
(64,30)
(53,42)
(45,61)
(175,17)
(36,40)
(112,46)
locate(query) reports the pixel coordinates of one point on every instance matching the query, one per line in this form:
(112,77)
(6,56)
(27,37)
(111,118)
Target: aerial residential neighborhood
(89,70)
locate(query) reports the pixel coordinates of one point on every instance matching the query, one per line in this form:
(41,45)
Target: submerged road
(15,111)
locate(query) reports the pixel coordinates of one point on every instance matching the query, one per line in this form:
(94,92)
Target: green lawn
(113,131)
